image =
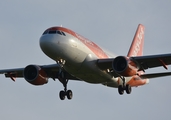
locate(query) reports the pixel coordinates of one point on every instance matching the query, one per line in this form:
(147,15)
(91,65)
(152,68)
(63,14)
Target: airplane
(78,58)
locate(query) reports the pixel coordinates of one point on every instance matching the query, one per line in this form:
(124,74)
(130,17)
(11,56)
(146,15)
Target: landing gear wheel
(62,95)
(128,89)
(69,94)
(120,90)
(64,81)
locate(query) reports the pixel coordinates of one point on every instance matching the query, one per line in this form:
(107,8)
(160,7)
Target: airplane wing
(144,62)
(52,71)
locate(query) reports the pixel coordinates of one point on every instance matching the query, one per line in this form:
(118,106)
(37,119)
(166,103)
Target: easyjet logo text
(138,41)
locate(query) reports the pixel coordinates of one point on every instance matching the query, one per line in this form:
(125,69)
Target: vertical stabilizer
(136,48)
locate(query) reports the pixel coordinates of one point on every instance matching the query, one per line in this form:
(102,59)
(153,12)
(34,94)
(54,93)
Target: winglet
(136,48)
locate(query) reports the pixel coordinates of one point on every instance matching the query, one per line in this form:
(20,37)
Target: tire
(62,95)
(69,94)
(120,90)
(128,89)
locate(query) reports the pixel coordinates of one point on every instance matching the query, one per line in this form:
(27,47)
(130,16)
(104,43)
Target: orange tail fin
(136,48)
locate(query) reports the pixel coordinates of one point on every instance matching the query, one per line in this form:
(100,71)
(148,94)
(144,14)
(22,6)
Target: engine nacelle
(124,66)
(35,75)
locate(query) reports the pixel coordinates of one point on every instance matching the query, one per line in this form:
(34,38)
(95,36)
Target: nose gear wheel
(63,94)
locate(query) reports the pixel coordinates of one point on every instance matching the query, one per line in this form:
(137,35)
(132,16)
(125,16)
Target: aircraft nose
(48,44)
(45,41)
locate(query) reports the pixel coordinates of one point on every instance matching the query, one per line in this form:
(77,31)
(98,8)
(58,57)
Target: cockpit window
(45,32)
(63,33)
(59,32)
(54,32)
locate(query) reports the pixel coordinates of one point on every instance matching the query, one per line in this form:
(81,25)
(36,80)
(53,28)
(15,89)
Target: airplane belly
(90,73)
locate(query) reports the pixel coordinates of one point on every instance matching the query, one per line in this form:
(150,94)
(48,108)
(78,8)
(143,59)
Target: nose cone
(48,44)
(45,41)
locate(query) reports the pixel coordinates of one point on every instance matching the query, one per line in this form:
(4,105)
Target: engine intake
(124,66)
(35,75)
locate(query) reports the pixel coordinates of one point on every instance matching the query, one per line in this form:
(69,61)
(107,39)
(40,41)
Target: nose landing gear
(67,93)
(62,78)
(64,93)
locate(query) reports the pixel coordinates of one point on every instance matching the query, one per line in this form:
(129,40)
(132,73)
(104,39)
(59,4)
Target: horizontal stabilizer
(155,75)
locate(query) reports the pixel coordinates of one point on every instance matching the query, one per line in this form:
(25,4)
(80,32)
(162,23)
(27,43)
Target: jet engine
(124,66)
(35,75)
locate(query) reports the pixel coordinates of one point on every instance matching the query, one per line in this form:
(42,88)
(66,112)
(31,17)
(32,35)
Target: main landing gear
(64,93)
(123,87)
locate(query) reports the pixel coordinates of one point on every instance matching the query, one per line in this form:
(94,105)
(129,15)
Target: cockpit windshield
(54,32)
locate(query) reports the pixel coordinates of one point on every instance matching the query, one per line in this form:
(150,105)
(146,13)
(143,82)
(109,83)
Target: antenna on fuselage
(61,25)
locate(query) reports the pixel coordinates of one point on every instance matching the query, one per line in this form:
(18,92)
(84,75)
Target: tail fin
(136,48)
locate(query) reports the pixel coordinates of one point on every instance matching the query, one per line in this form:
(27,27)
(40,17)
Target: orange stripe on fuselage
(91,45)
